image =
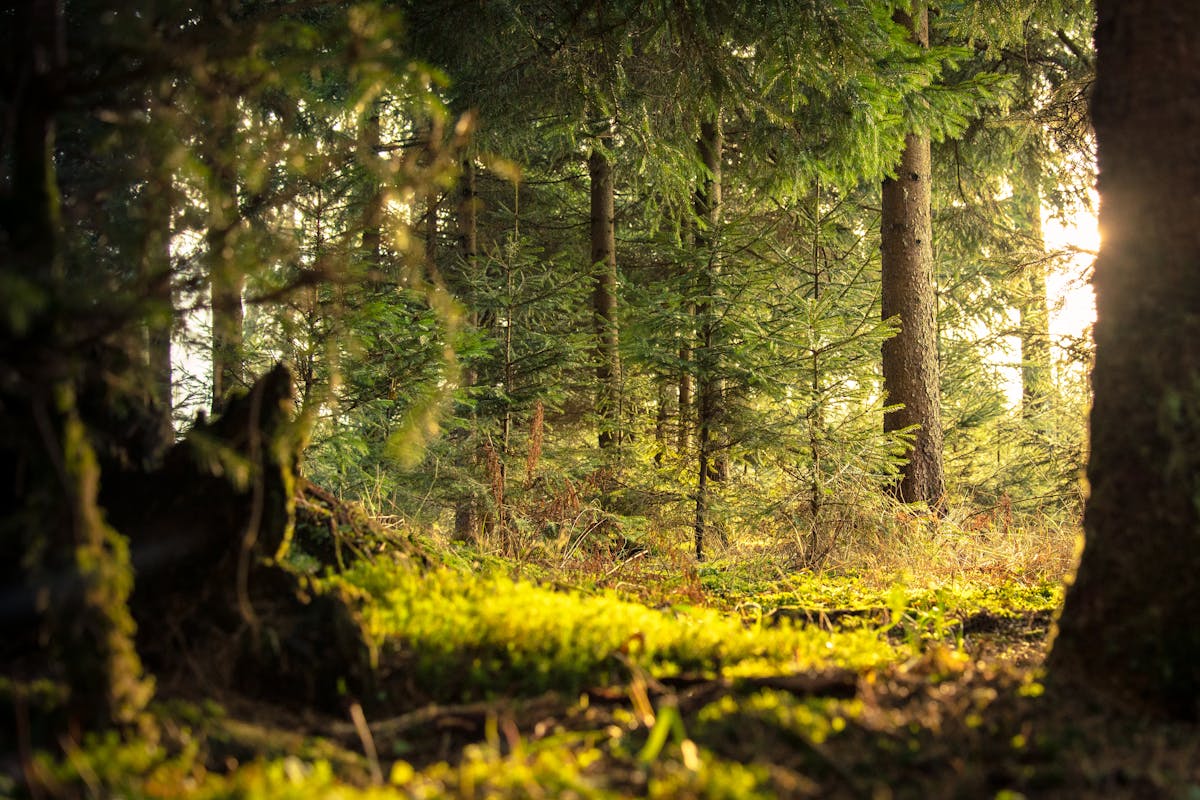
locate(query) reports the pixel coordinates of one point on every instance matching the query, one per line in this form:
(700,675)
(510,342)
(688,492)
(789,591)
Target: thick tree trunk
(604,297)
(75,564)
(708,388)
(910,359)
(226,278)
(1128,631)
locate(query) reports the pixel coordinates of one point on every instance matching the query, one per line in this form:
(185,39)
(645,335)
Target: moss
(94,631)
(472,635)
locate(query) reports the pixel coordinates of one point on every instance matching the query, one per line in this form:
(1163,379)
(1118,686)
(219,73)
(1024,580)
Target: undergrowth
(641,674)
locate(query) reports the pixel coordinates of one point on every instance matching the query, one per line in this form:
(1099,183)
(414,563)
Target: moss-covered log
(208,531)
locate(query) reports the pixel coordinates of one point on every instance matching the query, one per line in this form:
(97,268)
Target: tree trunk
(466,514)
(685,397)
(76,564)
(662,418)
(226,277)
(1037,377)
(708,388)
(910,359)
(604,296)
(432,204)
(372,212)
(157,275)
(1128,632)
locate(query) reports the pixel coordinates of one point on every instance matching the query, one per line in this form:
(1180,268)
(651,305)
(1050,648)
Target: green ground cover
(506,680)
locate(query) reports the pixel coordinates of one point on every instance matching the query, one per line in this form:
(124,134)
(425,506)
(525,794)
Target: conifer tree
(226,279)
(604,294)
(707,350)
(910,359)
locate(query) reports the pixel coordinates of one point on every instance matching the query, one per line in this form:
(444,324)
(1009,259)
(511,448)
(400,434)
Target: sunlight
(1072,301)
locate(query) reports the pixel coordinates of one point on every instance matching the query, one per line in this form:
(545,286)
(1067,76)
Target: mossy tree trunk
(77,565)
(910,358)
(1128,632)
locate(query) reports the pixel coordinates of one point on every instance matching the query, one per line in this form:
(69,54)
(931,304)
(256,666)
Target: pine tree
(910,359)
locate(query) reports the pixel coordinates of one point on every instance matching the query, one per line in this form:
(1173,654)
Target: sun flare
(1072,301)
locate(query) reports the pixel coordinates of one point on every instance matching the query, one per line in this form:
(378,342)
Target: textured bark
(226,278)
(72,561)
(604,298)
(468,215)
(910,359)
(708,383)
(1129,632)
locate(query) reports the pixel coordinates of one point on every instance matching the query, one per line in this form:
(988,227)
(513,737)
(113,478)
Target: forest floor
(639,675)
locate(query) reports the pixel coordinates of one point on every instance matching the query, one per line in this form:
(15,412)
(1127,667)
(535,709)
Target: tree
(226,278)
(708,381)
(1128,628)
(50,480)
(110,148)
(1037,377)
(910,359)
(603,239)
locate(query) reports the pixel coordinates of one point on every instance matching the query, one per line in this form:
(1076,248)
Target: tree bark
(466,513)
(686,398)
(910,358)
(372,212)
(75,564)
(226,278)
(1128,632)
(157,274)
(604,296)
(708,382)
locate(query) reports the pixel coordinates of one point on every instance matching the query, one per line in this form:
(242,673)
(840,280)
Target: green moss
(470,635)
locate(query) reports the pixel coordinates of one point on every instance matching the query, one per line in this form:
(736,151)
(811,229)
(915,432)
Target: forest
(585,399)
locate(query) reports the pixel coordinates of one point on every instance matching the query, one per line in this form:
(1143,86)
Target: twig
(368,741)
(432,713)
